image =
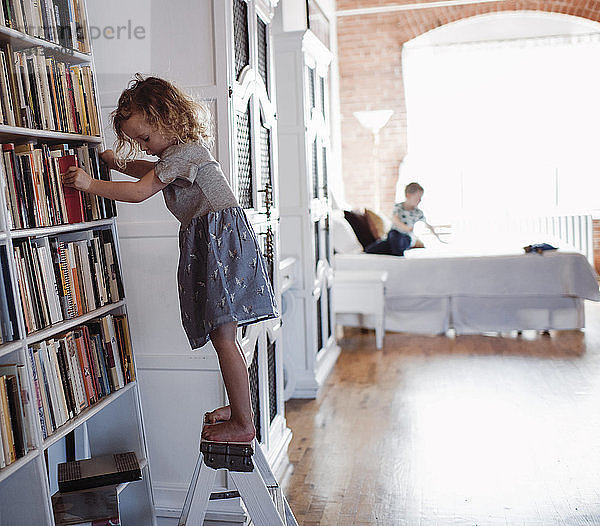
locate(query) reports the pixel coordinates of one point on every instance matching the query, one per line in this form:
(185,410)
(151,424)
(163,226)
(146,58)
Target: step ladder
(255,484)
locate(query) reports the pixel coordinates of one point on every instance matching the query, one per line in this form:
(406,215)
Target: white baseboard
(308,383)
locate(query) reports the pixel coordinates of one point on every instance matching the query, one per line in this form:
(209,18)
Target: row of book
(70,372)
(60,21)
(35,195)
(9,328)
(38,91)
(75,370)
(62,278)
(15,430)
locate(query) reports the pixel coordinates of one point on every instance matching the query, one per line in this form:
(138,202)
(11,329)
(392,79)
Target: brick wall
(370,50)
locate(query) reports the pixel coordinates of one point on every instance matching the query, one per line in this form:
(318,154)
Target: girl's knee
(224,335)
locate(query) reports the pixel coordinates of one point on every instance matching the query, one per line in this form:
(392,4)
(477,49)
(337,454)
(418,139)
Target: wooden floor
(435,430)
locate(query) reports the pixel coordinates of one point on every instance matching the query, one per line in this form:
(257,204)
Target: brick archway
(370,51)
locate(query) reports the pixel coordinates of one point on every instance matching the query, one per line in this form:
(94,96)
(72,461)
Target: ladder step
(220,495)
(226,455)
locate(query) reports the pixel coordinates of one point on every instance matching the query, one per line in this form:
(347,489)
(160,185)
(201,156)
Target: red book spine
(73,198)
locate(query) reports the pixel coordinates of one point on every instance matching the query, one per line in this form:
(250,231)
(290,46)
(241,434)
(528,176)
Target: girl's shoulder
(194,152)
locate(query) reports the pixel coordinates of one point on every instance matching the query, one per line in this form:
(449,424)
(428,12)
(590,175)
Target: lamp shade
(373,120)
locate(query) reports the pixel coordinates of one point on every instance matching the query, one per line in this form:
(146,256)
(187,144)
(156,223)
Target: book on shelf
(113,352)
(7,100)
(25,400)
(102,470)
(76,369)
(20,214)
(9,328)
(15,435)
(6,430)
(89,507)
(35,194)
(60,278)
(16,394)
(73,197)
(124,343)
(2,446)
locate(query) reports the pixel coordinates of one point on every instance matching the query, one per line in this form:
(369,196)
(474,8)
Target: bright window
(504,125)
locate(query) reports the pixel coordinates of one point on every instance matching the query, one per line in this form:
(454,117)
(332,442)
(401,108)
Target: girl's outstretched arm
(127,191)
(136,168)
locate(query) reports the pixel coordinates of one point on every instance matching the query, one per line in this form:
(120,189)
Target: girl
(221,275)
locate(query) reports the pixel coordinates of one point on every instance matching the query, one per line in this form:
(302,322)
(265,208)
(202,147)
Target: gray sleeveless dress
(221,275)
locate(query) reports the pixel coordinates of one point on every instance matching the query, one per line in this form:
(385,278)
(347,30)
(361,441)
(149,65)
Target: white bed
(475,289)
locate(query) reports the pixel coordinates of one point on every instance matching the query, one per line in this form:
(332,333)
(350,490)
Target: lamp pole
(374,120)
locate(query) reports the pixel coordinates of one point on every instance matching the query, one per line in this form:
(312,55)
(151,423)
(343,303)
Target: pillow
(361,228)
(376,223)
(344,238)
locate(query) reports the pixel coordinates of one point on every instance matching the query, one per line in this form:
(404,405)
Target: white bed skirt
(475,314)
(419,315)
(472,315)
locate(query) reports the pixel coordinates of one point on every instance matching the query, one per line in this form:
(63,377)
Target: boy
(401,236)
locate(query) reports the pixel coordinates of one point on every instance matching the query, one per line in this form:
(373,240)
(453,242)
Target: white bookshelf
(16,133)
(114,423)
(23,41)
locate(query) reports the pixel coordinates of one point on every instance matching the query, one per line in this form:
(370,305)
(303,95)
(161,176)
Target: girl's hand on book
(108,156)
(77,178)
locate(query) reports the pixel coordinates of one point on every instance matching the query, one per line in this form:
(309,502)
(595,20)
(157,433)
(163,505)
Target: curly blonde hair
(164,106)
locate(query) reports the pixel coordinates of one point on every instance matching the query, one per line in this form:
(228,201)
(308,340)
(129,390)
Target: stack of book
(9,328)
(60,21)
(14,426)
(35,195)
(76,369)
(64,277)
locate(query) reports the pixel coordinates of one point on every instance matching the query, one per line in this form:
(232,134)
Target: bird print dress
(221,275)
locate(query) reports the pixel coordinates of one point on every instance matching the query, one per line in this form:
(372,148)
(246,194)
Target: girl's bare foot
(221,414)
(229,431)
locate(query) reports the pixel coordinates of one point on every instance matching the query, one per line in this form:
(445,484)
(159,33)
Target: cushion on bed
(361,227)
(344,238)
(376,224)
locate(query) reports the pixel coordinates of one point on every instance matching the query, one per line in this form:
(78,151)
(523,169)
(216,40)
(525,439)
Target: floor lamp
(374,120)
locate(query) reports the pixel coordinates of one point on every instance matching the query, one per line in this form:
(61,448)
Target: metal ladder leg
(271,483)
(257,498)
(196,500)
